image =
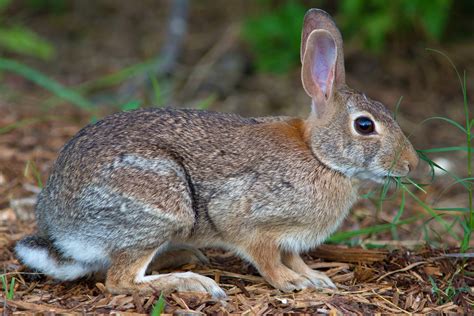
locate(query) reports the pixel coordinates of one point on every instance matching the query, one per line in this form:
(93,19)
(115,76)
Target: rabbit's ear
(319,67)
(316,19)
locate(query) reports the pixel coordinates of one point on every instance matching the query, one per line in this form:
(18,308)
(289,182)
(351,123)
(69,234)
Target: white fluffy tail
(39,254)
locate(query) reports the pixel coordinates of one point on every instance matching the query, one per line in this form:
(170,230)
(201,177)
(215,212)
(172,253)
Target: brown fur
(142,190)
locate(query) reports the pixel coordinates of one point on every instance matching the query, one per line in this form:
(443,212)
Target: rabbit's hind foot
(127,275)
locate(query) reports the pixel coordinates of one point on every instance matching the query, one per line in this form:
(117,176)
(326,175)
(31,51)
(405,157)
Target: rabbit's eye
(364,125)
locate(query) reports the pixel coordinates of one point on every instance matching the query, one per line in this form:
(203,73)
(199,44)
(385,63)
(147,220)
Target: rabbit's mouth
(381,179)
(380,176)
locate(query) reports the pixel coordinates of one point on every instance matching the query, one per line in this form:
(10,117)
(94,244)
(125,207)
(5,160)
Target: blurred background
(65,63)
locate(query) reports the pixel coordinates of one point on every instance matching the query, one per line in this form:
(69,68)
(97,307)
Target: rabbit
(148,188)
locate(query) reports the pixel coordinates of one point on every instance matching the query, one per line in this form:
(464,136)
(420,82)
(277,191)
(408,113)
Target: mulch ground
(369,281)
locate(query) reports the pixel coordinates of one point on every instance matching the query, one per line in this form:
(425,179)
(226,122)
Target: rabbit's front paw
(319,280)
(295,284)
(288,281)
(313,279)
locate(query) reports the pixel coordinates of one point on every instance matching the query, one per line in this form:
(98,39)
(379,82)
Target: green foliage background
(274,36)
(16,38)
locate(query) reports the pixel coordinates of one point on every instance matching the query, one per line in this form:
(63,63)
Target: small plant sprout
(159,306)
(8,290)
(157,89)
(205,103)
(31,168)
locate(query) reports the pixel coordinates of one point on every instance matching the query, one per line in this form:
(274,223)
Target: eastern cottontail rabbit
(140,188)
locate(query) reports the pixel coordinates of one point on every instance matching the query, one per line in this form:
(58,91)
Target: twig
(390,303)
(457,255)
(250,278)
(411,266)
(45,308)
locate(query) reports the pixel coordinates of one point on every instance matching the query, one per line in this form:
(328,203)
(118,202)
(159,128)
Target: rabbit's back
(184,136)
(122,156)
(150,129)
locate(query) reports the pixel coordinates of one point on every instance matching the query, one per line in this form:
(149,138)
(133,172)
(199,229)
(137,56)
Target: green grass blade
(397,108)
(368,195)
(205,103)
(11,292)
(4,283)
(467,235)
(46,83)
(107,80)
(157,91)
(450,121)
(430,163)
(463,83)
(115,78)
(159,306)
(450,61)
(444,149)
(22,40)
(459,180)
(434,289)
(430,211)
(19,124)
(434,164)
(416,185)
(384,191)
(452,209)
(131,105)
(470,219)
(343,236)
(36,174)
(397,217)
(464,182)
(400,210)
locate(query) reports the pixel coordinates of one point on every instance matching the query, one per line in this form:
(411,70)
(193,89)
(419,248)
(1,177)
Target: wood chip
(34,307)
(354,255)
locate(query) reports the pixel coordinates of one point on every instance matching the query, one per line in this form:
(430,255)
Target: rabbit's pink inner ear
(324,63)
(319,64)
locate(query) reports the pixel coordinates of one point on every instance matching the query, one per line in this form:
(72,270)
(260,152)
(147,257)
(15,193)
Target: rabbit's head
(346,130)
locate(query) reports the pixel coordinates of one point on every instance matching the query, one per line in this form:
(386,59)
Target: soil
(414,271)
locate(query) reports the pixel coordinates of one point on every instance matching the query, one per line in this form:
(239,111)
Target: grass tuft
(8,290)
(31,167)
(159,306)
